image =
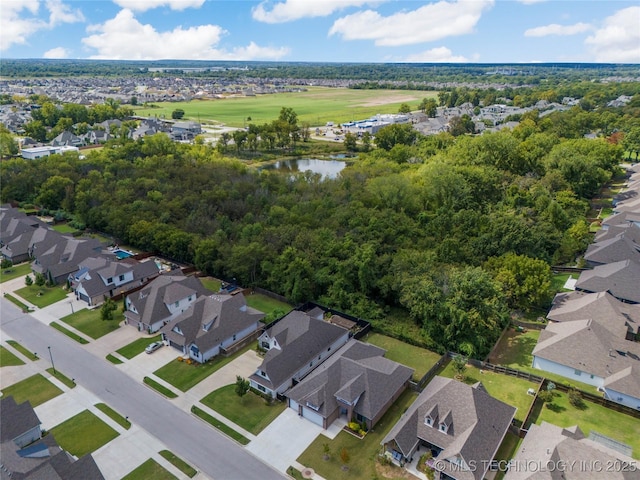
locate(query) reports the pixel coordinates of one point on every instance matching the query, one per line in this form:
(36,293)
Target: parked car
(152,347)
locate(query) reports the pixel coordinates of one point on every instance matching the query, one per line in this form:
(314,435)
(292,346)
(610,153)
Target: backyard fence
(426,378)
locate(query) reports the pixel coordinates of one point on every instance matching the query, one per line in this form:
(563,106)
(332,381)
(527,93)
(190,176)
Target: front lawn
(266,304)
(223,427)
(149,469)
(184,376)
(83,433)
(42,296)
(137,346)
(90,323)
(420,359)
(508,389)
(69,333)
(8,359)
(61,377)
(36,389)
(16,302)
(113,415)
(363,453)
(31,356)
(159,387)
(616,425)
(251,412)
(15,271)
(180,464)
(514,349)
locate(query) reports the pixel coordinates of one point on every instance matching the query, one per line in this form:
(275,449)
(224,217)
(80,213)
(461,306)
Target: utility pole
(51,356)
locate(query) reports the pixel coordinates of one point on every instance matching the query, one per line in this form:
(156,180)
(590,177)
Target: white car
(152,347)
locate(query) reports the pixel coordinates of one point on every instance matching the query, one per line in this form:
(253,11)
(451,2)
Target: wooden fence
(426,378)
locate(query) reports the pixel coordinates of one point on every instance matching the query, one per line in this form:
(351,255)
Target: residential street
(187,436)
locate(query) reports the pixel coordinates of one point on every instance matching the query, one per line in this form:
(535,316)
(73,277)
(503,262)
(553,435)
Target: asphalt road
(188,437)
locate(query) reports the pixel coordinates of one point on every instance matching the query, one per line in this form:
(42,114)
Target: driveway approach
(188,437)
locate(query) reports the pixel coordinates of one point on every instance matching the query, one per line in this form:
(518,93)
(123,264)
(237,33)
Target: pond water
(326,168)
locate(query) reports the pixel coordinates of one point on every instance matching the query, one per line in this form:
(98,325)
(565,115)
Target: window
(121,278)
(234,337)
(577,373)
(261,388)
(311,364)
(592,375)
(177,303)
(329,349)
(110,280)
(428,421)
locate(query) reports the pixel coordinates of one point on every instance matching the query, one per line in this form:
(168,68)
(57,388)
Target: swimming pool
(122,254)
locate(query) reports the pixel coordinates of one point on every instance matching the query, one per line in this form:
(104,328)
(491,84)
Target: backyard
(363,453)
(184,376)
(42,296)
(83,433)
(90,323)
(251,412)
(266,304)
(36,389)
(616,425)
(420,359)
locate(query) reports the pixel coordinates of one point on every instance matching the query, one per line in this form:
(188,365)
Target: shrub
(40,280)
(6,263)
(28,280)
(575,399)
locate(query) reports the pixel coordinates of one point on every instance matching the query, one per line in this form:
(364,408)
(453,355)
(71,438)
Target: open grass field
(42,296)
(420,359)
(317,106)
(8,359)
(137,346)
(149,469)
(363,453)
(36,389)
(184,376)
(510,390)
(616,425)
(15,271)
(251,412)
(90,323)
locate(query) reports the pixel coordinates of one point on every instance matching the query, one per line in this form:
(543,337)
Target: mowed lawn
(8,359)
(508,389)
(266,304)
(420,359)
(35,389)
(317,106)
(15,271)
(90,323)
(137,346)
(616,425)
(362,453)
(514,349)
(149,470)
(251,412)
(83,433)
(42,296)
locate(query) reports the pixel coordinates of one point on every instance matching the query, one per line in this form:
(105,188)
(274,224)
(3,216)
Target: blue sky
(484,31)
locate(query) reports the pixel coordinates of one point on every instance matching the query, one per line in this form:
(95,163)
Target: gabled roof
(621,279)
(630,230)
(97,270)
(63,256)
(301,338)
(602,307)
(358,373)
(621,219)
(616,249)
(548,444)
(211,320)
(16,418)
(151,301)
(587,346)
(478,424)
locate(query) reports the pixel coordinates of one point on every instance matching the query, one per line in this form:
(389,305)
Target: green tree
(404,108)
(366,141)
(107,310)
(28,281)
(350,142)
(53,191)
(36,130)
(177,114)
(631,142)
(40,279)
(389,136)
(461,125)
(242,386)
(429,107)
(460,365)
(8,145)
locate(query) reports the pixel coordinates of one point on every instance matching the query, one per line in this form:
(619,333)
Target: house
(26,455)
(163,299)
(210,325)
(574,456)
(621,218)
(68,139)
(594,353)
(356,382)
(461,425)
(620,279)
(631,230)
(621,247)
(186,129)
(295,345)
(99,278)
(16,225)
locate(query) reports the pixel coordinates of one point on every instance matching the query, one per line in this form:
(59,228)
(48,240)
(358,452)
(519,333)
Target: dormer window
(444,427)
(428,421)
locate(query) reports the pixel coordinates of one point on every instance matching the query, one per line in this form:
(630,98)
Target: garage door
(293,404)
(312,416)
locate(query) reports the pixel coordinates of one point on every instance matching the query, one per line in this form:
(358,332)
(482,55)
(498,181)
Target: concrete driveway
(284,440)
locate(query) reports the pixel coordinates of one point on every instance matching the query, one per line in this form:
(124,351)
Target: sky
(375,31)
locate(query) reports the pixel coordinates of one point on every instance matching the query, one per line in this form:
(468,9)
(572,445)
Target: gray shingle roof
(615,249)
(301,339)
(621,279)
(478,424)
(357,371)
(100,269)
(16,418)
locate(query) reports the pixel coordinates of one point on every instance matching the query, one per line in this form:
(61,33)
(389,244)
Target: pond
(326,168)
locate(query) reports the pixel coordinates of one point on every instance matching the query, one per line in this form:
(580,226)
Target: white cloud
(290,10)
(618,40)
(555,29)
(124,37)
(435,55)
(58,52)
(144,5)
(20,19)
(425,24)
(531,2)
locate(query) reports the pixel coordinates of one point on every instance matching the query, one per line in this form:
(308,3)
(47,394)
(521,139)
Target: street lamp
(71,303)
(51,356)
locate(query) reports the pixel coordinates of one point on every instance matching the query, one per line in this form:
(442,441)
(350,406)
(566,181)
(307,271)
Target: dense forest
(454,232)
